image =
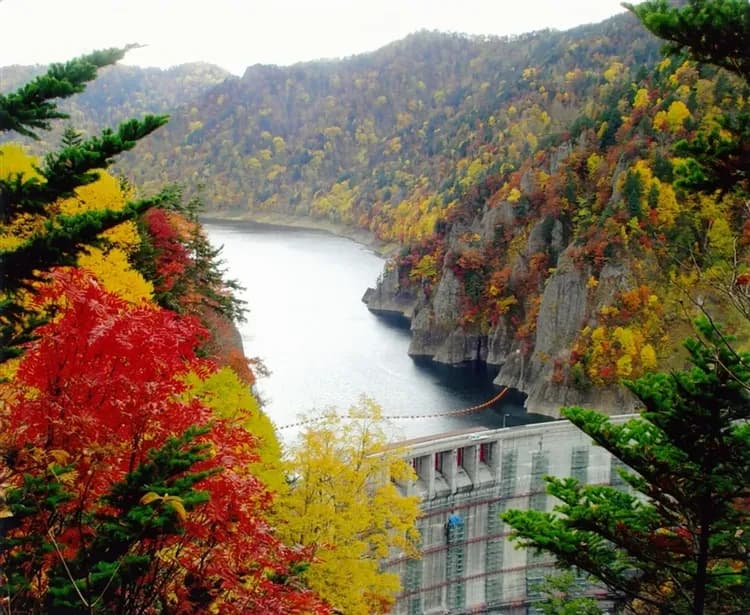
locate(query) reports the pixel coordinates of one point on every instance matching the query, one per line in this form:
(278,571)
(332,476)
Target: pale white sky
(237,33)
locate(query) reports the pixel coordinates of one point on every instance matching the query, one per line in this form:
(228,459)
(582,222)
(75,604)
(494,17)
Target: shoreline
(360,236)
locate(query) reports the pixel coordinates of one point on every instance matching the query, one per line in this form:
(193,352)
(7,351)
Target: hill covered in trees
(532,183)
(352,140)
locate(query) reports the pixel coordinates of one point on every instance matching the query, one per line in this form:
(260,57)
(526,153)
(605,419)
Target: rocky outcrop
(564,310)
(434,331)
(389,299)
(567,304)
(550,285)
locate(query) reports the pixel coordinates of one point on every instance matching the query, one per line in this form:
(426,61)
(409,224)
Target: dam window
(420,466)
(486,452)
(509,473)
(441,460)
(538,492)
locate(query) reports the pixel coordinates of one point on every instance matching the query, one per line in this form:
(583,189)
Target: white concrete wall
(471,490)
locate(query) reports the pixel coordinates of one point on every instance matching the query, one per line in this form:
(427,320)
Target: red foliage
(172,258)
(102,387)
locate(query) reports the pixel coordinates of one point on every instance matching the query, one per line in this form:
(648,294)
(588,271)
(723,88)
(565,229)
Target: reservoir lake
(323,347)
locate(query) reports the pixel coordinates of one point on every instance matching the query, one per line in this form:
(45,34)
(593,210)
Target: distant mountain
(121,92)
(347,139)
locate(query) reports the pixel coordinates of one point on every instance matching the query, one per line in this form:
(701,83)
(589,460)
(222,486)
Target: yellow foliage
(598,334)
(624,366)
(343,504)
(110,265)
(472,173)
(393,146)
(113,270)
(504,304)
(664,64)
(105,193)
(14,160)
(593,162)
(720,238)
(667,207)
(660,121)
(641,99)
(614,71)
(279,145)
(514,195)
(677,114)
(336,203)
(425,269)
(648,356)
(602,129)
(19,230)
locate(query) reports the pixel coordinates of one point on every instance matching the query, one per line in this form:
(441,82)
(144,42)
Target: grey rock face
(388,298)
(566,305)
(434,329)
(563,308)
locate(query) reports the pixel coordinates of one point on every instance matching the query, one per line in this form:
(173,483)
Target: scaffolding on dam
(465,481)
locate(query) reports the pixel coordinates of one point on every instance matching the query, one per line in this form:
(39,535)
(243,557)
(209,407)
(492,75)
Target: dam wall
(465,481)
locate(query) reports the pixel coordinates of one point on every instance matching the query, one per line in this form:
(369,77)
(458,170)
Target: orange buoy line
(404,417)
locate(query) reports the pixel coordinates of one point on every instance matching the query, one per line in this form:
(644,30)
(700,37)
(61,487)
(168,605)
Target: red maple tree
(125,495)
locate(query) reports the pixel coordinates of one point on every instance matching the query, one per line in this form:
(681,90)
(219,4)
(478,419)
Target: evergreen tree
(680,543)
(59,239)
(713,32)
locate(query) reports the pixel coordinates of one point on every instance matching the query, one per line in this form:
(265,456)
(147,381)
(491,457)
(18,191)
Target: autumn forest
(571,207)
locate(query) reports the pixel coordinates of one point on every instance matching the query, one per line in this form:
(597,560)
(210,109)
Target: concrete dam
(465,481)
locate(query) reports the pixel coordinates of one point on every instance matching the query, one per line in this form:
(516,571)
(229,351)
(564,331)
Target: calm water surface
(307,322)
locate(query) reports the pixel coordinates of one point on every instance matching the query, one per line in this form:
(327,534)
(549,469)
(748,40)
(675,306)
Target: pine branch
(30,108)
(712,32)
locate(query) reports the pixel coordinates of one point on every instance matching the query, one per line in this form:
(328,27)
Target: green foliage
(712,31)
(109,565)
(632,192)
(560,596)
(676,544)
(30,107)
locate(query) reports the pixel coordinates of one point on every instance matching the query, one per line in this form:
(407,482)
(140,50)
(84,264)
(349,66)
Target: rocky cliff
(531,341)
(564,310)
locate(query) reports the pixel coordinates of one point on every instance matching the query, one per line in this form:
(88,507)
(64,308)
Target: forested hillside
(532,183)
(415,123)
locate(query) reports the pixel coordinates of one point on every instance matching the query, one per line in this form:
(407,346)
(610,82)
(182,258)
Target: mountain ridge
(530,182)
